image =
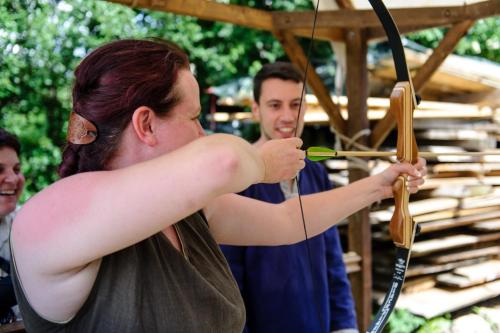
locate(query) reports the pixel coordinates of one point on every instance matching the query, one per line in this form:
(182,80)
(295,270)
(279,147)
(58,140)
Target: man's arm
(342,310)
(342,313)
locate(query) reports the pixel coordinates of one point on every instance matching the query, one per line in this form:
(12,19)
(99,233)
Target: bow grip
(402,105)
(401,225)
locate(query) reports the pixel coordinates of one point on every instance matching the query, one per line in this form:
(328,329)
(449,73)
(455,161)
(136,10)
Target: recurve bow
(403,101)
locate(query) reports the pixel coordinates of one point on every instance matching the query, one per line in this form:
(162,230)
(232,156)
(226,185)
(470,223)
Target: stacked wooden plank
(456,256)
(376,110)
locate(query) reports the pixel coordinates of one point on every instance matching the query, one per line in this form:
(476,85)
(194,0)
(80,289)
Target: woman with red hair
(127,240)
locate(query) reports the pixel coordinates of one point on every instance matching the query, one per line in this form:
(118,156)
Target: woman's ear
(142,122)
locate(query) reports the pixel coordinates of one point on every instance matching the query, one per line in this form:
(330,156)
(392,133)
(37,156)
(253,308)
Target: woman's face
(11,180)
(182,125)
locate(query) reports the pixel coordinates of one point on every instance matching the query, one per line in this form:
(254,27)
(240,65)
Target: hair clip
(81,131)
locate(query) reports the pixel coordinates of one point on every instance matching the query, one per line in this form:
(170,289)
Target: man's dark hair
(278,70)
(9,140)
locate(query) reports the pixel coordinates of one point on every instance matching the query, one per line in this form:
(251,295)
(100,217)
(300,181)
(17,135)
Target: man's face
(278,109)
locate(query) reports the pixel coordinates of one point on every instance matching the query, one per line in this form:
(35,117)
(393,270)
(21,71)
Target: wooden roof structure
(354,24)
(459,79)
(331,25)
(339,25)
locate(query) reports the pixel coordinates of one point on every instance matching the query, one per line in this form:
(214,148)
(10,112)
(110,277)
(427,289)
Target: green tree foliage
(482,39)
(42,41)
(402,321)
(436,325)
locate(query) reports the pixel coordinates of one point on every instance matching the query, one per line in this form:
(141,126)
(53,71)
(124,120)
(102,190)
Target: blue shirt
(282,292)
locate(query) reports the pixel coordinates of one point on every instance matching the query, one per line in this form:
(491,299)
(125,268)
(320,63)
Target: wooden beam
(239,15)
(359,223)
(381,129)
(445,47)
(379,32)
(484,97)
(208,10)
(330,24)
(298,57)
(414,17)
(344,4)
(325,34)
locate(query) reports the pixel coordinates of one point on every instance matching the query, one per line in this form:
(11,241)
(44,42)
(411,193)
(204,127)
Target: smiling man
(277,107)
(280,291)
(11,186)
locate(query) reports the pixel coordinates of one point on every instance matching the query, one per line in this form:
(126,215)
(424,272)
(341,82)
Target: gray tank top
(152,287)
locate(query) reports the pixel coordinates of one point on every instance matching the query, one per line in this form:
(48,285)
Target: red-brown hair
(112,82)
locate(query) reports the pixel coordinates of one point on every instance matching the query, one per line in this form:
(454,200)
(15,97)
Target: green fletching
(320,150)
(329,153)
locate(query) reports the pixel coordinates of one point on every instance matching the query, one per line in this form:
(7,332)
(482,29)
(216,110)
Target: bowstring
(299,196)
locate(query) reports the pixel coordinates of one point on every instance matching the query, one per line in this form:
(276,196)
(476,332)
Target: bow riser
(402,105)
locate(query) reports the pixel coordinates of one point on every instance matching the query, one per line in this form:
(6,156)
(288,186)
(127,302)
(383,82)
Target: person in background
(11,187)
(127,241)
(282,292)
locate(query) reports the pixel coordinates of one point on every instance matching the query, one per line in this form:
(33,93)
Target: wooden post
(359,223)
(445,47)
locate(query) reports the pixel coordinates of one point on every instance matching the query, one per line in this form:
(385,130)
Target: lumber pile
(458,209)
(456,256)
(436,301)
(352,261)
(377,107)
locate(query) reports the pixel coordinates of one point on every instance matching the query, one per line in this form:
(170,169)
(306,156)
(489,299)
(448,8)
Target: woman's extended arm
(87,216)
(239,220)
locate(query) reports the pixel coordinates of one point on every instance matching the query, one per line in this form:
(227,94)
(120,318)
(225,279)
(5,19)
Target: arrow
(322,153)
